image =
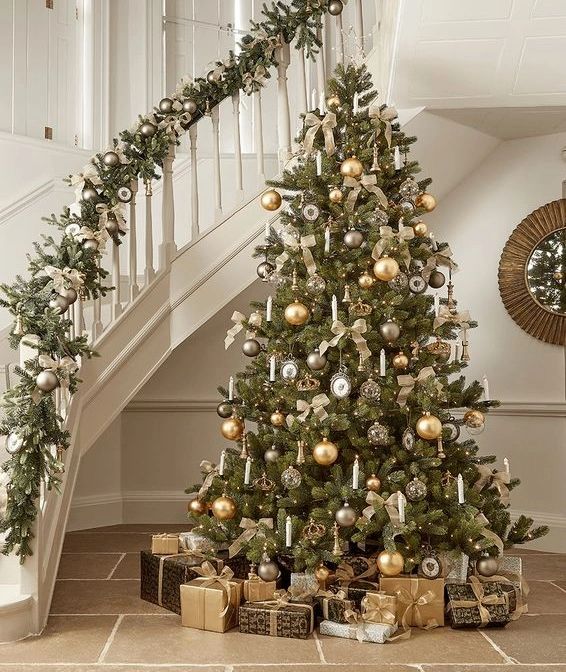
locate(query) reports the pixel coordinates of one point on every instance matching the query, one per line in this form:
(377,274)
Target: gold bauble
(390,563)
(558,275)
(333,101)
(400,361)
(426,201)
(322,573)
(373,483)
(335,195)
(197,507)
(474,418)
(429,427)
(224,508)
(351,167)
(420,229)
(296,313)
(232,428)
(277,418)
(365,281)
(385,269)
(271,200)
(325,452)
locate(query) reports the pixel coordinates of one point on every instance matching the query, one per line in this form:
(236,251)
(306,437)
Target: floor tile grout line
(104,579)
(319,648)
(507,659)
(110,639)
(557,586)
(115,567)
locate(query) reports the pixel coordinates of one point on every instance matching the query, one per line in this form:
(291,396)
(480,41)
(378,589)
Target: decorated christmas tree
(343,428)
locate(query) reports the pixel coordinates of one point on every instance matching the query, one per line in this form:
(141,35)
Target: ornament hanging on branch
(271,200)
(224,508)
(429,427)
(346,516)
(325,452)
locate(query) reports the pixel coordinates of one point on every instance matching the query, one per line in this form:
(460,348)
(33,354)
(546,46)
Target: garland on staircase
(66,265)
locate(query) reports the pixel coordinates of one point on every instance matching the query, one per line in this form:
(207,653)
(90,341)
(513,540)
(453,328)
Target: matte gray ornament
(335,7)
(189,106)
(353,239)
(47,381)
(268,570)
(112,225)
(211,77)
(346,516)
(487,566)
(90,244)
(166,105)
(390,331)
(316,361)
(70,295)
(264,270)
(271,455)
(89,194)
(251,347)
(148,130)
(111,159)
(59,303)
(436,279)
(224,409)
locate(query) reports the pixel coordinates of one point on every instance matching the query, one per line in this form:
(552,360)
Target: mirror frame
(521,305)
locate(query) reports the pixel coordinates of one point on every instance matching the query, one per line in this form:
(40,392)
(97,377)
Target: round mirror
(546,272)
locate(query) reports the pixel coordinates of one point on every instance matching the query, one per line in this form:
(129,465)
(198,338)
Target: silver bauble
(415,490)
(487,565)
(409,189)
(378,434)
(316,361)
(189,106)
(271,455)
(264,270)
(90,244)
(47,381)
(291,478)
(315,284)
(59,303)
(268,570)
(436,279)
(353,239)
(166,105)
(89,194)
(390,331)
(148,130)
(370,390)
(346,516)
(224,409)
(211,77)
(112,226)
(70,295)
(251,347)
(380,218)
(335,7)
(111,159)
(400,282)
(407,207)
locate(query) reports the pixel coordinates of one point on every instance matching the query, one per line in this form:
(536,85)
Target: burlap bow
(407,382)
(446,315)
(367,182)
(314,124)
(89,173)
(104,213)
(100,237)
(495,479)
(238,318)
(208,576)
(211,471)
(389,237)
(175,124)
(251,528)
(414,603)
(355,331)
(254,81)
(63,278)
(375,501)
(346,575)
(481,602)
(378,607)
(383,115)
(295,245)
(269,43)
(316,406)
(442,257)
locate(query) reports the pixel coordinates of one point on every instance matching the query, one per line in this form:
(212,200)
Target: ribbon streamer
(64,278)
(495,479)
(388,237)
(254,82)
(316,406)
(383,115)
(375,501)
(211,471)
(269,42)
(345,573)
(251,528)
(446,315)
(238,319)
(295,245)
(314,124)
(355,331)
(490,535)
(407,382)
(367,182)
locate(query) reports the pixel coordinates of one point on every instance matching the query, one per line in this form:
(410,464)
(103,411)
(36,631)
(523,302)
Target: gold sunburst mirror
(532,273)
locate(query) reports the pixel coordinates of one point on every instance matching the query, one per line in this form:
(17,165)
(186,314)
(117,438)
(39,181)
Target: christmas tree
(341,427)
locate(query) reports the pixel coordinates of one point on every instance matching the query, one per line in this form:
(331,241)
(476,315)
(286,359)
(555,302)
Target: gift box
(239,564)
(378,607)
(277,619)
(511,567)
(477,605)
(192,541)
(420,602)
(258,590)
(304,582)
(165,544)
(454,566)
(378,633)
(333,606)
(362,567)
(211,601)
(353,576)
(357,590)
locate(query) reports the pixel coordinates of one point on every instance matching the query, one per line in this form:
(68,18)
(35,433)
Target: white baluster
(258,132)
(80,317)
(303,96)
(133,241)
(116,294)
(194,182)
(238,147)
(97,326)
(167,248)
(283,115)
(320,70)
(360,25)
(339,39)
(149,269)
(215,119)
(7,376)
(71,316)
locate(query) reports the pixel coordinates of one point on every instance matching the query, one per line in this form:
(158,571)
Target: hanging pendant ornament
(271,200)
(400,361)
(436,279)
(416,490)
(450,430)
(378,434)
(224,508)
(289,370)
(271,455)
(225,409)
(366,281)
(430,566)
(337,548)
(197,507)
(353,239)
(417,284)
(385,268)
(400,282)
(300,452)
(370,390)
(373,483)
(347,298)
(335,195)
(311,212)
(46,381)
(325,452)
(111,159)
(426,201)
(408,439)
(316,361)
(340,384)
(296,313)
(14,443)
(429,427)
(291,478)
(315,285)
(124,194)
(346,516)
(390,331)
(409,189)
(232,428)
(474,421)
(351,167)
(487,566)
(268,569)
(264,270)
(375,167)
(251,347)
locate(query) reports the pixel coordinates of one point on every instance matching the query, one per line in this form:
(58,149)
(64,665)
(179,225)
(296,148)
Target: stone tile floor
(99,623)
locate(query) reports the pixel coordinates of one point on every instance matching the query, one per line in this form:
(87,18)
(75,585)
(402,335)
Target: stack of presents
(215,592)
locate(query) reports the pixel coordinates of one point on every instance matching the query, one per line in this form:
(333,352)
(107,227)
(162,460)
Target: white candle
(248,471)
(507,465)
(401,505)
(231,388)
(269,309)
(327,240)
(319,162)
(461,499)
(222,463)
(322,105)
(456,352)
(272,369)
(288,532)
(397,159)
(356,474)
(436,303)
(382,363)
(334,308)
(313,99)
(433,242)
(356,102)
(485,384)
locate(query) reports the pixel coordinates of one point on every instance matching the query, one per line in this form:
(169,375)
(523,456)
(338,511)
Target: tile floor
(99,623)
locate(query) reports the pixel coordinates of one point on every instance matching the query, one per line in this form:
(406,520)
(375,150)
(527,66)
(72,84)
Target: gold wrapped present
(165,544)
(420,602)
(211,601)
(258,590)
(378,607)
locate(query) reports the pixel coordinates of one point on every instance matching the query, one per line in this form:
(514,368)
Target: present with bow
(314,124)
(420,602)
(165,544)
(304,582)
(354,577)
(280,617)
(510,577)
(357,627)
(193,541)
(355,332)
(367,182)
(258,590)
(333,605)
(211,601)
(379,607)
(477,605)
(454,566)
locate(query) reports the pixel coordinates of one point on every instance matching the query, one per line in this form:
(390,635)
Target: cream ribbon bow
(64,277)
(100,237)
(383,115)
(446,315)
(495,479)
(104,213)
(254,81)
(211,471)
(271,42)
(408,382)
(375,501)
(490,535)
(314,124)
(238,319)
(388,237)
(251,528)
(175,124)
(367,182)
(89,173)
(442,257)
(355,331)
(63,369)
(303,244)
(316,406)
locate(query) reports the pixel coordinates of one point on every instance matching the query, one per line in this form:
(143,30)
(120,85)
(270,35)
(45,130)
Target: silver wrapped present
(378,633)
(454,566)
(304,582)
(511,567)
(192,541)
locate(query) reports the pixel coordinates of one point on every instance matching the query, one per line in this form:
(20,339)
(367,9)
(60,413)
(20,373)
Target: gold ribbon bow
(345,573)
(269,43)
(388,237)
(175,124)
(490,535)
(355,331)
(446,315)
(495,479)
(63,278)
(251,528)
(208,576)
(414,603)
(100,237)
(383,115)
(367,182)
(316,406)
(375,501)
(104,212)
(254,81)
(481,602)
(376,608)
(211,471)
(295,245)
(407,382)
(442,257)
(315,123)
(521,594)
(89,173)
(238,318)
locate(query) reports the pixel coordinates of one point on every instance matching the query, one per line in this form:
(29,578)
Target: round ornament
(390,331)
(378,434)
(335,7)
(271,200)
(148,130)
(487,565)
(385,269)
(251,347)
(111,159)
(271,455)
(333,101)
(407,207)
(408,439)
(430,567)
(311,212)
(72,230)
(278,280)
(416,490)
(400,361)
(189,106)
(232,428)
(409,189)
(112,225)
(197,507)
(380,218)
(440,350)
(353,239)
(325,452)
(346,516)
(89,194)
(224,409)
(474,419)
(400,282)
(277,418)
(335,195)
(70,295)
(268,570)
(436,279)
(322,573)
(370,390)
(341,385)
(90,244)
(124,194)
(365,281)
(450,430)
(316,284)
(420,229)
(59,304)
(351,167)
(291,478)
(429,427)
(289,370)
(13,443)
(296,313)
(426,201)
(166,105)
(224,508)
(417,284)
(264,270)
(316,361)
(373,483)
(390,563)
